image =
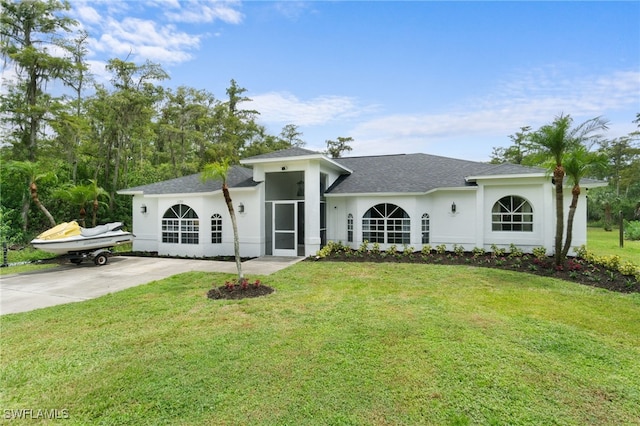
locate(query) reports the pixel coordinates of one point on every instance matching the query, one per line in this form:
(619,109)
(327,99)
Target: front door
(285,228)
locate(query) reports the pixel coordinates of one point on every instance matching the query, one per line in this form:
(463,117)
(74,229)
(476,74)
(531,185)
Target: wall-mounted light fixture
(143,209)
(453,207)
(300,188)
(241,208)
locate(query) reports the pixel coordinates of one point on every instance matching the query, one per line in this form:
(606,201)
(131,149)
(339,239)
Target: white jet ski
(70,238)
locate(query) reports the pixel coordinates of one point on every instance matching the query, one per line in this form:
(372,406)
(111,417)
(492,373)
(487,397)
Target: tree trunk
(608,218)
(234,224)
(32,97)
(116,170)
(25,212)
(558,175)
(572,212)
(95,212)
(33,188)
(83,215)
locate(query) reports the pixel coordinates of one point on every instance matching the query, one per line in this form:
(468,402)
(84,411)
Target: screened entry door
(285,228)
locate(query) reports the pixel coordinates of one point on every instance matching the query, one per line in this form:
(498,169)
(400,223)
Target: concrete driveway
(74,283)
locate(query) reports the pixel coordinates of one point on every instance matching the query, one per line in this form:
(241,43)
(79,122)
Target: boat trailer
(99,256)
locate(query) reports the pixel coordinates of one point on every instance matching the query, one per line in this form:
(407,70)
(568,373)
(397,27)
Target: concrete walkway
(73,283)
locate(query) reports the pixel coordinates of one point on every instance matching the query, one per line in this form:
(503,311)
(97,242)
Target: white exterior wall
(470,226)
(453,228)
(148,227)
(537,195)
(145,225)
(338,209)
(579,234)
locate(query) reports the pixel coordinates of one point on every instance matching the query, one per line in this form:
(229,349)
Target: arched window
(180,224)
(216,229)
(386,223)
(350,228)
(425,228)
(512,213)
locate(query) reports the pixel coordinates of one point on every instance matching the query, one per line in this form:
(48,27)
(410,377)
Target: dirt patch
(237,291)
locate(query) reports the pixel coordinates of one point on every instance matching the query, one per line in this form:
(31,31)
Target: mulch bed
(575,270)
(236,291)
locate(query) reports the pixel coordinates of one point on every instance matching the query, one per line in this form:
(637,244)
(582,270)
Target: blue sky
(445,78)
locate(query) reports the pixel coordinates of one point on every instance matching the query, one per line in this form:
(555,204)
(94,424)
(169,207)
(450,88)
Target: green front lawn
(338,343)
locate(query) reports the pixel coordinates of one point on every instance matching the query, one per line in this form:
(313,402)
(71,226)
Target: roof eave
(320,157)
(373,194)
(127,192)
(594,184)
(506,176)
(189,194)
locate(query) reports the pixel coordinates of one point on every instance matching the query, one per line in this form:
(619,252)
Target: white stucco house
(291,202)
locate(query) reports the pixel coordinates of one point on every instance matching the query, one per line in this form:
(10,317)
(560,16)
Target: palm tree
(81,195)
(77,195)
(32,171)
(220,170)
(577,166)
(554,141)
(95,192)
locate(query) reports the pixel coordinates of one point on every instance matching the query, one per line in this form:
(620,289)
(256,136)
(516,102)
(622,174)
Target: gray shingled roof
(402,173)
(413,173)
(511,169)
(238,177)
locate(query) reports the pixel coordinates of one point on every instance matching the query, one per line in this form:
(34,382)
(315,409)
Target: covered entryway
(284,214)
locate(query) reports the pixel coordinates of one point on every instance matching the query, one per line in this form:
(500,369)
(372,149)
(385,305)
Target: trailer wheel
(101,260)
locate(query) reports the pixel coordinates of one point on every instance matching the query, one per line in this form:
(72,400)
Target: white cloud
(286,108)
(87,15)
(292,9)
(146,40)
(529,100)
(98,71)
(196,11)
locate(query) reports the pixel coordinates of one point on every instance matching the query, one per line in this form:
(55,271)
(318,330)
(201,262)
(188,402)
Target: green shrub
(330,248)
(497,251)
(610,262)
(632,230)
(478,252)
(515,251)
(540,253)
(441,248)
(426,249)
(629,268)
(581,251)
